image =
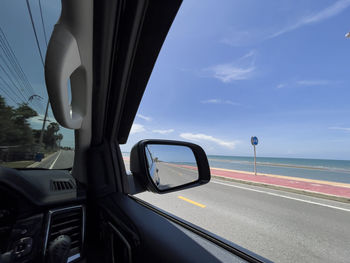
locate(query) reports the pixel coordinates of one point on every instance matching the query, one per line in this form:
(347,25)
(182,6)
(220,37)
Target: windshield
(258,78)
(29,134)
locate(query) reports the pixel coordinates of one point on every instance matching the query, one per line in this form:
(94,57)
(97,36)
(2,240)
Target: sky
(172,153)
(230,70)
(278,70)
(16,25)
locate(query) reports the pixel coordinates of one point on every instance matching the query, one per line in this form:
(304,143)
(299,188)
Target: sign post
(254,140)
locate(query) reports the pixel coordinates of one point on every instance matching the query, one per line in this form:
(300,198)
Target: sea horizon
(311,168)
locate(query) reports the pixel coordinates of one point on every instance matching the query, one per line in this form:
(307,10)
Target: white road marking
(284,196)
(58,155)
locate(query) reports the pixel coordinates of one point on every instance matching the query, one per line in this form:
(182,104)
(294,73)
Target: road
(280,226)
(171,176)
(59,160)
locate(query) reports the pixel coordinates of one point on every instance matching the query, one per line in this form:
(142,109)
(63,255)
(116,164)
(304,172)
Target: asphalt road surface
(171,176)
(280,226)
(59,160)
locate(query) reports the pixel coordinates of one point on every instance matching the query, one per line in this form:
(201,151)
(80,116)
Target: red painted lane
(308,186)
(323,187)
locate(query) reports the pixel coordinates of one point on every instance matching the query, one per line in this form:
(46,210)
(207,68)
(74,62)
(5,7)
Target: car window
(25,142)
(268,78)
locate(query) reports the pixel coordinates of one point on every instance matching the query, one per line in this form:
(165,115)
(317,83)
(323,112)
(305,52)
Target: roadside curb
(287,189)
(33,165)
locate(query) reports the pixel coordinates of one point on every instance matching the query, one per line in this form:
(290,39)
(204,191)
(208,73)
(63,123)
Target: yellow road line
(190,201)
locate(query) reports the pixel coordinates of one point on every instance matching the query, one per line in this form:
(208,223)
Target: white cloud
(240,69)
(238,38)
(204,137)
(339,128)
(146,118)
(326,13)
(280,86)
(219,101)
(241,37)
(39,120)
(228,72)
(163,131)
(312,82)
(137,128)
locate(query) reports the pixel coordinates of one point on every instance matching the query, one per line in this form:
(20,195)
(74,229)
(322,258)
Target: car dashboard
(42,216)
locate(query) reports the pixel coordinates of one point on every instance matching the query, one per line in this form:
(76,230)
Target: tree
(15,128)
(59,139)
(14,125)
(6,123)
(36,134)
(22,126)
(51,137)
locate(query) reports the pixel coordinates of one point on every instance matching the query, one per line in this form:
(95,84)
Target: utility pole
(43,127)
(41,58)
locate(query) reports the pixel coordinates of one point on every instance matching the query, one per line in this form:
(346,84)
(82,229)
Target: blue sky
(15,22)
(172,153)
(275,69)
(229,70)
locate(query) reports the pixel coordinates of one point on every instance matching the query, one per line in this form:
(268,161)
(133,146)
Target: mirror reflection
(171,165)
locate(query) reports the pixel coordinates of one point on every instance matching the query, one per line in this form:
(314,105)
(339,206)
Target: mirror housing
(139,166)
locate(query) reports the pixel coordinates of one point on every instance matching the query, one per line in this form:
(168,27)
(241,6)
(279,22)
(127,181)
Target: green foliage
(15,129)
(6,123)
(51,137)
(14,126)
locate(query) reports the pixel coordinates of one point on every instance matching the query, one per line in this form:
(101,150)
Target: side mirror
(164,166)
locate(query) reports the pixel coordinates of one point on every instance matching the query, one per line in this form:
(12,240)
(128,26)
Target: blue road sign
(254,140)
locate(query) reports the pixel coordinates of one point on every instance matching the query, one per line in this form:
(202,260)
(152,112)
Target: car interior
(107,49)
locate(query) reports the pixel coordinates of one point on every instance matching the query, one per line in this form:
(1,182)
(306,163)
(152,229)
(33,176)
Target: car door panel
(154,238)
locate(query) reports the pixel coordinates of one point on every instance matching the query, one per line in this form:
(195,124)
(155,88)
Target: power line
(13,73)
(10,55)
(19,88)
(35,34)
(10,89)
(48,101)
(44,30)
(6,52)
(8,77)
(42,61)
(5,62)
(16,62)
(9,96)
(42,22)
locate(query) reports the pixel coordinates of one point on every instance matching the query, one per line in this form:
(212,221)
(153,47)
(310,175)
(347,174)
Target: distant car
(38,156)
(152,167)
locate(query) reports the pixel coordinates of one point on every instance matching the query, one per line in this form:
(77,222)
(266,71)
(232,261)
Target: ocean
(318,169)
